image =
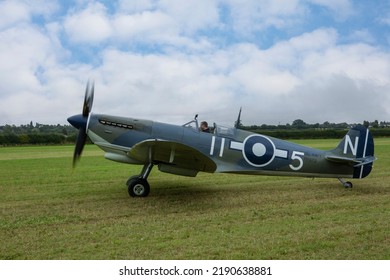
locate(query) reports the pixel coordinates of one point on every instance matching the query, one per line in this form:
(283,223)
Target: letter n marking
(353,147)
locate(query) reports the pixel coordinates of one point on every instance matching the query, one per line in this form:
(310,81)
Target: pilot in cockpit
(204,127)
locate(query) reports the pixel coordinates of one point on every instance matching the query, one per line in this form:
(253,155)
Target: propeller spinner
(80,122)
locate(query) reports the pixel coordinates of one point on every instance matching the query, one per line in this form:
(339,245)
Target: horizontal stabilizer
(356,162)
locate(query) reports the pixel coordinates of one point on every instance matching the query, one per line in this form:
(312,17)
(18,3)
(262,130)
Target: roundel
(258,150)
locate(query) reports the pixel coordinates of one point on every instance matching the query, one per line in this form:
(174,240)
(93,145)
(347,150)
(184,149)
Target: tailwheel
(138,187)
(347,185)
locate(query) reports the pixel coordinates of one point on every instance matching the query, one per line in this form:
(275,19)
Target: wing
(172,157)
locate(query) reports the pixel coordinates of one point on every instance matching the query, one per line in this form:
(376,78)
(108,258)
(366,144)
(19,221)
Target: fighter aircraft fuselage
(186,150)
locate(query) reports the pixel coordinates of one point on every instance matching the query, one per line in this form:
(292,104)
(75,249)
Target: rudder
(358,145)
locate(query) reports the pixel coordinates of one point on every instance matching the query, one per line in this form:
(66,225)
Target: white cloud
(19,12)
(173,88)
(357,61)
(23,51)
(143,26)
(192,15)
(335,98)
(293,79)
(136,6)
(90,25)
(310,75)
(249,16)
(162,23)
(362,35)
(12,12)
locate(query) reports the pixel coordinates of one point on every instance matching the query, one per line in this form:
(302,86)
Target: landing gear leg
(347,185)
(138,186)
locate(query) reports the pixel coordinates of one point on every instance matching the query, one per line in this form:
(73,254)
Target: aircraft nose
(78,121)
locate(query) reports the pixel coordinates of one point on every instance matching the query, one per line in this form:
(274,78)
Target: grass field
(48,211)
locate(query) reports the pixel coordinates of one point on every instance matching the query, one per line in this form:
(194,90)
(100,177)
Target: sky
(167,60)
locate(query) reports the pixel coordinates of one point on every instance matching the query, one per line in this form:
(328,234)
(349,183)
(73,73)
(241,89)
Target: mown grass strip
(49,211)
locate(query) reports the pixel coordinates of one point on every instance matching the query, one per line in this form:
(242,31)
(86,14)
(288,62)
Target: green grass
(48,211)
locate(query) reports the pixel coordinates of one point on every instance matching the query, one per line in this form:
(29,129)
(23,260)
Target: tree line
(300,124)
(38,134)
(43,134)
(299,129)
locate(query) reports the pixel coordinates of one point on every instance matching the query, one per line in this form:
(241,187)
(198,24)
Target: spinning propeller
(80,122)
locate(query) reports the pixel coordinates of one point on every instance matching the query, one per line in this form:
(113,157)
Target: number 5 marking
(297,156)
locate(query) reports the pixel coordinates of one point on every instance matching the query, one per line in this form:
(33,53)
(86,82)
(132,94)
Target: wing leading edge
(172,157)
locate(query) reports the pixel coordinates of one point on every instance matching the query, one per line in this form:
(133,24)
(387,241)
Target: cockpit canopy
(224,131)
(220,130)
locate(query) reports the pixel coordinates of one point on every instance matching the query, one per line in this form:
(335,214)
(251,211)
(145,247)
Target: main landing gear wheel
(138,187)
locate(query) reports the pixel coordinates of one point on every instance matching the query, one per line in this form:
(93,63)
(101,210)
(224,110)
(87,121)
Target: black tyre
(348,185)
(138,187)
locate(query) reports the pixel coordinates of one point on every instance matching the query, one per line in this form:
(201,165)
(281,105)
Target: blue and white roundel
(258,150)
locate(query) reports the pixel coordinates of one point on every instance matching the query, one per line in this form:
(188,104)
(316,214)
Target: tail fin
(357,149)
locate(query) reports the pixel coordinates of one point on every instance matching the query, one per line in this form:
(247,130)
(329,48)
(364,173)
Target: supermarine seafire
(186,150)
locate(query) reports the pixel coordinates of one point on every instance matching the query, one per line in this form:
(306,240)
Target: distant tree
(23,139)
(11,138)
(299,123)
(375,124)
(326,124)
